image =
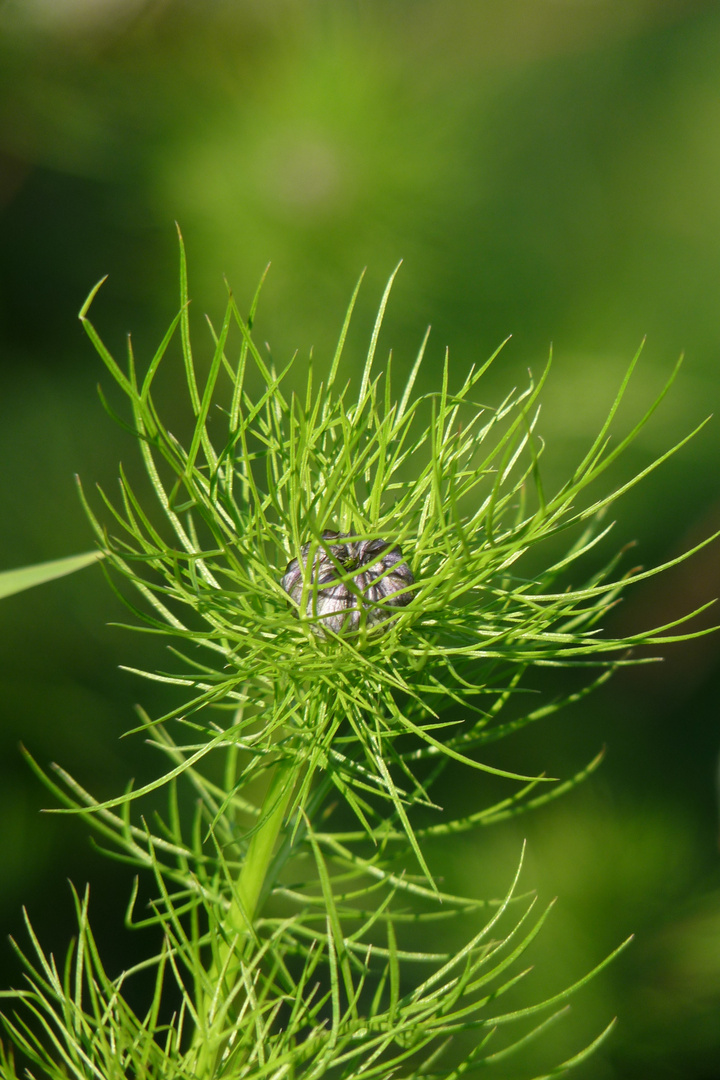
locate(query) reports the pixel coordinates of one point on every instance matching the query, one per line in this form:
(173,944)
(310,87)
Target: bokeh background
(548,169)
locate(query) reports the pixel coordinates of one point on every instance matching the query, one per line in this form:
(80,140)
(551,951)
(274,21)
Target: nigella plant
(340,574)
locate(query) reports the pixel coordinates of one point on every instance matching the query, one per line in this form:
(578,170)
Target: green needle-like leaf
(26,577)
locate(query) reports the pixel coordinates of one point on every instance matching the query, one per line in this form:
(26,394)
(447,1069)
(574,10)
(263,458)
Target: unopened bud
(351,583)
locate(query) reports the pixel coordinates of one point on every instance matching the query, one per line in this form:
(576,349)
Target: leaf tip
(91,296)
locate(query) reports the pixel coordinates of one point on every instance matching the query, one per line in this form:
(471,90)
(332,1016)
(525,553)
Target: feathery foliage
(282,937)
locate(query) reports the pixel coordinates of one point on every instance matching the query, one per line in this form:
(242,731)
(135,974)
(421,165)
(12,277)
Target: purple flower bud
(352,582)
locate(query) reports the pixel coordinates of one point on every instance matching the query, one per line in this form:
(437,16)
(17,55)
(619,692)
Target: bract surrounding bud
(351,583)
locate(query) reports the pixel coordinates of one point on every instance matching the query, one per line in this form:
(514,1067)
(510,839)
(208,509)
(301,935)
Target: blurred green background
(545,168)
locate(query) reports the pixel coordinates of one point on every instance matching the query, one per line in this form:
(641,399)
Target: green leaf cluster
(284,892)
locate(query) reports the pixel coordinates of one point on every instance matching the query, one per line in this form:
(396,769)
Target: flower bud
(352,582)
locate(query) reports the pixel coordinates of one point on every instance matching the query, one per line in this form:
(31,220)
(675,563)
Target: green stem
(260,851)
(241,915)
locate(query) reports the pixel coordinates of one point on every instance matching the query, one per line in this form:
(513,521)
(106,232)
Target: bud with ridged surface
(352,582)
